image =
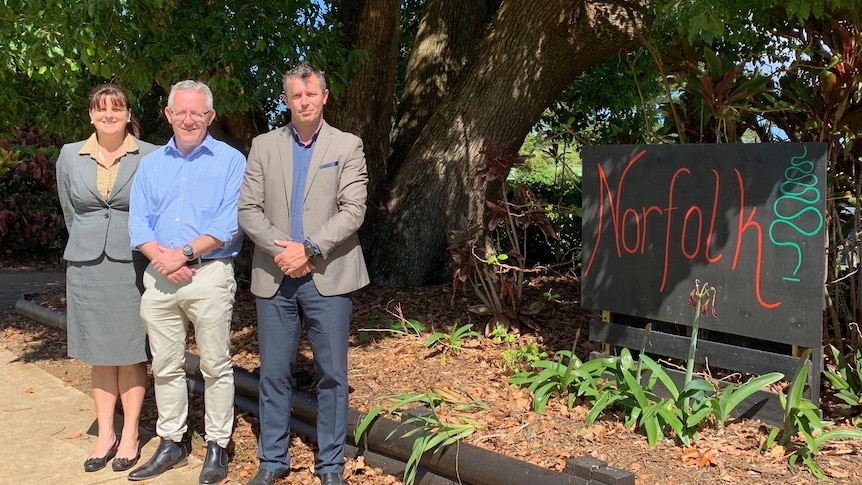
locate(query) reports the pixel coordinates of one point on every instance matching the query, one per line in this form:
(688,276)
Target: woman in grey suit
(94,180)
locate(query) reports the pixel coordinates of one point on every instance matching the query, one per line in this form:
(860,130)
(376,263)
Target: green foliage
(845,377)
(640,405)
(801,417)
(728,398)
(551,174)
(386,327)
(239,48)
(432,431)
(451,343)
(612,102)
(565,376)
(620,383)
(31,221)
(529,353)
(514,356)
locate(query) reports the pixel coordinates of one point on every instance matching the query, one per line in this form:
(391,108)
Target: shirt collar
(313,137)
(208,144)
(91,146)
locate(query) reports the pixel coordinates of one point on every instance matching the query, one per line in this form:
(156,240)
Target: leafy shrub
(845,376)
(31,221)
(564,211)
(802,418)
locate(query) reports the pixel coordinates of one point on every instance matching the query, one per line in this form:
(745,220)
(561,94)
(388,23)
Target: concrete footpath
(47,429)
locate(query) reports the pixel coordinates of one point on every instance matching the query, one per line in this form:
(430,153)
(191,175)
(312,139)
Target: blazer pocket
(329,165)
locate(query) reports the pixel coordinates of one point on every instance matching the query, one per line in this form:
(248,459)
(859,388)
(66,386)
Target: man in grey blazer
(302,201)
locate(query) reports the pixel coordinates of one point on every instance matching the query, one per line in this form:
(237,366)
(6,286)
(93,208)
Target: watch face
(188,251)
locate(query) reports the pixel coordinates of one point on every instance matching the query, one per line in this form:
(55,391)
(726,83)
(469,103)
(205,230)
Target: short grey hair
(304,70)
(191,85)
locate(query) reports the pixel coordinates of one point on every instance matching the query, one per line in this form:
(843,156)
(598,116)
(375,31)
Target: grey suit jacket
(333,208)
(96,225)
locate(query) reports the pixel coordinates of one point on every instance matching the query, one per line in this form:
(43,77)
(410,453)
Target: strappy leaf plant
(802,418)
(432,431)
(845,376)
(452,342)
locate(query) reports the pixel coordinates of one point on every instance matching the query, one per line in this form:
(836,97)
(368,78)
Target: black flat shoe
(123,464)
(168,455)
(96,464)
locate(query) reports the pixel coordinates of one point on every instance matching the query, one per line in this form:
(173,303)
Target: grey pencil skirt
(103,322)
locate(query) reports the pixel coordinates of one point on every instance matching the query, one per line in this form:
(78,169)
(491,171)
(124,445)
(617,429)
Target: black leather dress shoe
(215,464)
(264,477)
(168,455)
(96,464)
(331,479)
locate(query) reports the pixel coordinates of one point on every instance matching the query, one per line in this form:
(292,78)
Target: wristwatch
(189,252)
(309,248)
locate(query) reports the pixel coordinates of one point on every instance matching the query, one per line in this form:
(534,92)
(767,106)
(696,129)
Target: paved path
(47,429)
(14,284)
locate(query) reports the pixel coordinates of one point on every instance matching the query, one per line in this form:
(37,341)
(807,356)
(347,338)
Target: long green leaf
(659,371)
(734,397)
(636,390)
(837,434)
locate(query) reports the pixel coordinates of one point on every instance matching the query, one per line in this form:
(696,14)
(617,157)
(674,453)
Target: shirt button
(107,216)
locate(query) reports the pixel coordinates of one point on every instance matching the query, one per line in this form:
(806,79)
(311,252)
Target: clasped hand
(171,263)
(292,261)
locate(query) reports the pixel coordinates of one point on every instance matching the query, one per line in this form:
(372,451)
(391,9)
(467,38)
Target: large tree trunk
(448,34)
(532,51)
(366,107)
(237,129)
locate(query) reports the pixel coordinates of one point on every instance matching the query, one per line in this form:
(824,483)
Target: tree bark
(365,109)
(530,53)
(448,34)
(237,129)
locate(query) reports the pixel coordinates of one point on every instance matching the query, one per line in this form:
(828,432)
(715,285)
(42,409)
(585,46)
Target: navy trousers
(327,322)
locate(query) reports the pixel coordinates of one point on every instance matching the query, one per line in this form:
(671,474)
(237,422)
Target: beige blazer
(333,208)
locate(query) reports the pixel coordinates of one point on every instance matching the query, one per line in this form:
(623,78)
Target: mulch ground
(382,363)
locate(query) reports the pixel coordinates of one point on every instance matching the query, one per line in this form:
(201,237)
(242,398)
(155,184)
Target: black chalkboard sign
(747,218)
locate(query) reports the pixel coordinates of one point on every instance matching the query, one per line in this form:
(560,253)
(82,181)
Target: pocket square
(330,164)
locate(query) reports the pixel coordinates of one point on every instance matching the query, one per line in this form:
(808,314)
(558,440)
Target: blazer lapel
(285,161)
(86,171)
(128,165)
(324,139)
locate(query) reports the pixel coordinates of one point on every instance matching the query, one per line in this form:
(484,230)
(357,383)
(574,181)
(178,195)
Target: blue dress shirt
(301,162)
(176,198)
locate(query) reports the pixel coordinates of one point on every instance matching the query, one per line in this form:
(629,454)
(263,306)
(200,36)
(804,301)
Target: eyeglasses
(196,115)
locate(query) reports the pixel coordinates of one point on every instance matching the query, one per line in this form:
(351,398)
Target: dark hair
(304,70)
(114,94)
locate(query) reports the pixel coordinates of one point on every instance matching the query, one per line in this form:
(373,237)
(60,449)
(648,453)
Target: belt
(200,261)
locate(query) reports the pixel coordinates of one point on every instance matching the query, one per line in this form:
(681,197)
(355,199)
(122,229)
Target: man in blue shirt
(183,217)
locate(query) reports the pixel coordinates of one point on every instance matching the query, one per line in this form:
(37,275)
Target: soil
(382,363)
